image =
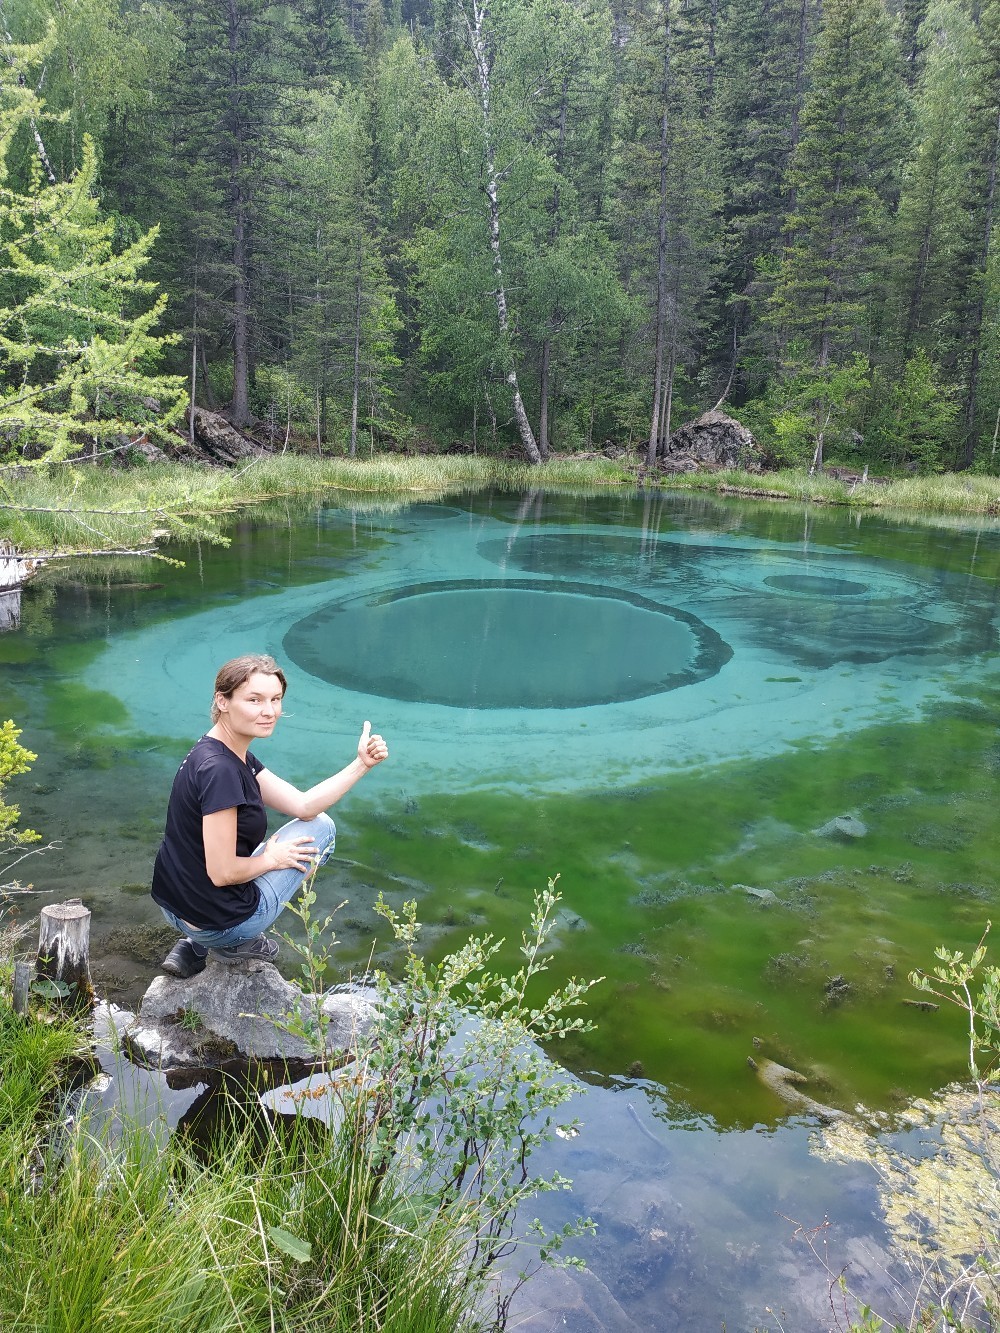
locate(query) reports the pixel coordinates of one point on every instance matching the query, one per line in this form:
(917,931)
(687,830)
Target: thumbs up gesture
(371,749)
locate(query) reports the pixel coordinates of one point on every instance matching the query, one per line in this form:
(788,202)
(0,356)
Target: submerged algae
(697,968)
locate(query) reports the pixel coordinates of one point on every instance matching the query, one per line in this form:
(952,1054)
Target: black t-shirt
(210,779)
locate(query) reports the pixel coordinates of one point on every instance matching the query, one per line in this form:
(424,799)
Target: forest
(536,226)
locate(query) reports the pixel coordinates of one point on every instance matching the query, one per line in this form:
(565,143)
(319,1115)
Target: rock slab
(239,1010)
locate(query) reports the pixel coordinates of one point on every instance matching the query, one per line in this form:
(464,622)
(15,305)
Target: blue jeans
(277,887)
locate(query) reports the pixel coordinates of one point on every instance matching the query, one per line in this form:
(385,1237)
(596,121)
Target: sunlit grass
(946,493)
(69,509)
(84,508)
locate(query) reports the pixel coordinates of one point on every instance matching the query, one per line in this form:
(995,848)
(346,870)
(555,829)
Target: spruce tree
(844,175)
(931,228)
(977,275)
(667,204)
(764,50)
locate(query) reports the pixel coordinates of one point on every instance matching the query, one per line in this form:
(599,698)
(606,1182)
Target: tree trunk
(661,253)
(979,309)
(543,399)
(241,240)
(475,26)
(64,950)
(356,372)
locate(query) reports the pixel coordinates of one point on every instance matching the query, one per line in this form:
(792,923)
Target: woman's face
(253,708)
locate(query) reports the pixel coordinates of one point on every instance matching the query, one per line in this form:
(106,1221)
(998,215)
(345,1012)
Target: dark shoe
(258,950)
(185,959)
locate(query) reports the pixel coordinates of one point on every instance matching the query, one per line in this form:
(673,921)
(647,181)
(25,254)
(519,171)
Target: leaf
(296,1248)
(49,989)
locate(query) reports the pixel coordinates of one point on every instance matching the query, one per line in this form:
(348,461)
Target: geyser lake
(660,699)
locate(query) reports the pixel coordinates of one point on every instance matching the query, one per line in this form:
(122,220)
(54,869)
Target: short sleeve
(219,786)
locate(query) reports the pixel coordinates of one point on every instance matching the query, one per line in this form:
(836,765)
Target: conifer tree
(764,50)
(844,177)
(982,205)
(667,206)
(931,230)
(78,345)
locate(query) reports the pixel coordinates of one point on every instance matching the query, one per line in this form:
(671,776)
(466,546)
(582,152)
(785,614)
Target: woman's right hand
(293,854)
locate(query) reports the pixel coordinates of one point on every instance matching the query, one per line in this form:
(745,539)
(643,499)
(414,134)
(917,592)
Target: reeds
(945,493)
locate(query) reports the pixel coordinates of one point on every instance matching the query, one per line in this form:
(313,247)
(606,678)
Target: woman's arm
(288,800)
(218,832)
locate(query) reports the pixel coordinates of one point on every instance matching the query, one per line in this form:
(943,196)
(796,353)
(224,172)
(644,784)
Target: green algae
(700,973)
(72,706)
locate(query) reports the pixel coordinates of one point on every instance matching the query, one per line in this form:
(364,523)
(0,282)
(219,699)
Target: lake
(757,744)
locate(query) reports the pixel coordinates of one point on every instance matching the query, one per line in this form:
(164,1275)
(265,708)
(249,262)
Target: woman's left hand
(371,749)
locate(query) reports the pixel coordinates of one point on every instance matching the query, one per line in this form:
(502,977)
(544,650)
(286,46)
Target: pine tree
(930,231)
(982,206)
(226,110)
(551,79)
(765,47)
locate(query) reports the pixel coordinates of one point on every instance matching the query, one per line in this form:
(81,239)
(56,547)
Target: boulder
(239,1011)
(844,827)
(216,440)
(713,440)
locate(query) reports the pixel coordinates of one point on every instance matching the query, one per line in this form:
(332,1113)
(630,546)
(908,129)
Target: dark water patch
(815,620)
(516,644)
(816,587)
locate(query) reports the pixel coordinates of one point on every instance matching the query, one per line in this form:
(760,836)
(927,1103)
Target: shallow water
(659,699)
(702,686)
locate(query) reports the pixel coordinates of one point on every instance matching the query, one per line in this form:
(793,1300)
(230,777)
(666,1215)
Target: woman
(218,878)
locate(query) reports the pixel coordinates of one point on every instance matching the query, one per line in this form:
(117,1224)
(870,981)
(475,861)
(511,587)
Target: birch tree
(476,19)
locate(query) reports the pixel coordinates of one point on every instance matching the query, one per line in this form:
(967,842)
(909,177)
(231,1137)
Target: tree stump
(64,951)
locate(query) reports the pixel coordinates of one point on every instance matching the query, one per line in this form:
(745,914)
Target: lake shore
(77,510)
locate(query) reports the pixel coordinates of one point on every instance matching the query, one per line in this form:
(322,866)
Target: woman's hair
(238,671)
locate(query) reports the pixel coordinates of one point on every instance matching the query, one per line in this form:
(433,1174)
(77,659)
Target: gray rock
(842,826)
(229,1011)
(557,1300)
(713,440)
(764,896)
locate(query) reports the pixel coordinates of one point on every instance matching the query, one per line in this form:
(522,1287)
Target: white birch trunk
(475,26)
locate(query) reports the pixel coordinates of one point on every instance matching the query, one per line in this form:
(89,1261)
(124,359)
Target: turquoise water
(660,699)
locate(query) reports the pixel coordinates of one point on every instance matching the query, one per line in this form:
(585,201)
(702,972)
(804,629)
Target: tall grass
(84,508)
(947,493)
(282,1232)
(78,509)
(279,1229)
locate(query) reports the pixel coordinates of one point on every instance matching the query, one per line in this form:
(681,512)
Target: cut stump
(64,951)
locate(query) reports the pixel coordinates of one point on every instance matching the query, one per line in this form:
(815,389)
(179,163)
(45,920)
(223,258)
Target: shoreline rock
(239,1011)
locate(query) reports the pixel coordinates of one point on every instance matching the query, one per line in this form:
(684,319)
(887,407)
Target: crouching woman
(218,878)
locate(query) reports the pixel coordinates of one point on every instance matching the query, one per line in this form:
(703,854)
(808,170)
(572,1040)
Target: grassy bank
(945,493)
(78,509)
